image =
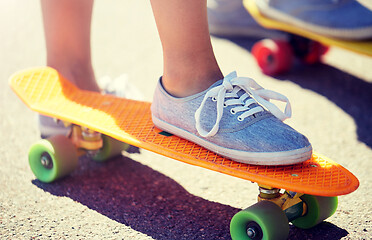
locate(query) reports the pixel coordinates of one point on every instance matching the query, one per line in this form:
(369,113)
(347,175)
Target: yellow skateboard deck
(47,92)
(362,47)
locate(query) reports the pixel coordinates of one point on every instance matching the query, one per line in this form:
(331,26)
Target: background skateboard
(275,56)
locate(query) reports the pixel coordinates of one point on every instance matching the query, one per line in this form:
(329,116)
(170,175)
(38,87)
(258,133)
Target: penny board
(47,92)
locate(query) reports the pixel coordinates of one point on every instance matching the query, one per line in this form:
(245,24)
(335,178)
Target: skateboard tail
(61,93)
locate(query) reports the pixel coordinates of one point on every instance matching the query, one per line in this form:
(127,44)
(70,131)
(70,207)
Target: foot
(343,19)
(49,127)
(230,18)
(235,119)
(119,87)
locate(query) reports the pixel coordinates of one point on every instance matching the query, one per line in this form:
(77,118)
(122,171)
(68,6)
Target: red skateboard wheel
(273,56)
(315,52)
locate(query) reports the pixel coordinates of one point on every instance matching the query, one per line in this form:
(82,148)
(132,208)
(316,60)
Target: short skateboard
(304,194)
(276,56)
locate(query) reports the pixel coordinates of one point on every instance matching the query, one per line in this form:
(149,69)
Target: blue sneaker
(229,18)
(235,119)
(343,19)
(119,87)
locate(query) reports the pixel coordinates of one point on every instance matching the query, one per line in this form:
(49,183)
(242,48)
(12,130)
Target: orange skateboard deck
(361,47)
(47,92)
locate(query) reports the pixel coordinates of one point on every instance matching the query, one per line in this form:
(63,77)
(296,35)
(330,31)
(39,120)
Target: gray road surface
(146,196)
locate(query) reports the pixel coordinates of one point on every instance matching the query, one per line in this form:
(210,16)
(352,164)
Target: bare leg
(67,33)
(189,62)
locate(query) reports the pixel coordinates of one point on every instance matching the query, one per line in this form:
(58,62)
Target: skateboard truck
(86,140)
(288,201)
(272,213)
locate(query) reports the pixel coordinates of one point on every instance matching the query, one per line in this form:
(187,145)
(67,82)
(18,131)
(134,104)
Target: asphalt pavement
(147,196)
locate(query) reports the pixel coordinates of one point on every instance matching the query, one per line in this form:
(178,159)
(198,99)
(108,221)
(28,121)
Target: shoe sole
(254,158)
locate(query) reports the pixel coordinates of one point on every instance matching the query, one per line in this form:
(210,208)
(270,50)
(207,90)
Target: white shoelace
(254,93)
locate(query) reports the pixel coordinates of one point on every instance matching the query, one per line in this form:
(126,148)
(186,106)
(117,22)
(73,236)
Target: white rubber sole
(255,158)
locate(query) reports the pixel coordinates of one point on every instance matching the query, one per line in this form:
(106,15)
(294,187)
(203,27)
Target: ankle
(187,84)
(190,74)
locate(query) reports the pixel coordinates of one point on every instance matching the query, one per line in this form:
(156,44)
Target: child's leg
(189,62)
(67,34)
(227,118)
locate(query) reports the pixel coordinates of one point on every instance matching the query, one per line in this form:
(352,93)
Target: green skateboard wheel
(52,158)
(263,220)
(318,209)
(111,148)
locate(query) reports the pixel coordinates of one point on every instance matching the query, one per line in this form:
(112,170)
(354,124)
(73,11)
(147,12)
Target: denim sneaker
(235,119)
(343,19)
(119,87)
(229,18)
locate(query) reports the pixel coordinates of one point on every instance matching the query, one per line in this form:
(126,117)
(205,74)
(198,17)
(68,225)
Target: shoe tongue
(231,75)
(241,92)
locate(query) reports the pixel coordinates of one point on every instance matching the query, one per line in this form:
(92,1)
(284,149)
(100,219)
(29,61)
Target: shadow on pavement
(353,95)
(149,202)
(145,200)
(325,230)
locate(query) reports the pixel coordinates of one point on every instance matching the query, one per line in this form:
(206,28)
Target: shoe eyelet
(232,111)
(240,119)
(224,105)
(214,99)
